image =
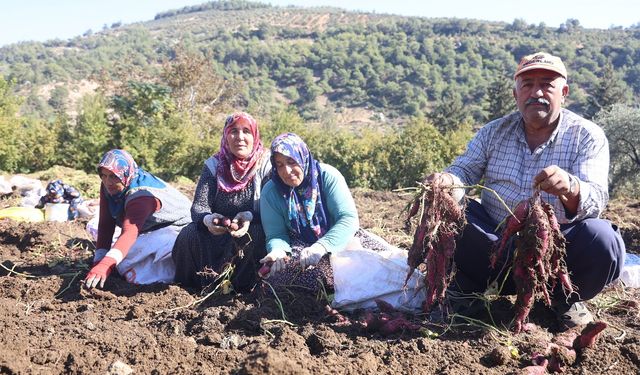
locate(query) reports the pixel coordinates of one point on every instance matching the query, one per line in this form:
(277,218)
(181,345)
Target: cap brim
(537,67)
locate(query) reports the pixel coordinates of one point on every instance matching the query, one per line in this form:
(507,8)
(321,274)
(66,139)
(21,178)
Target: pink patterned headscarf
(234,174)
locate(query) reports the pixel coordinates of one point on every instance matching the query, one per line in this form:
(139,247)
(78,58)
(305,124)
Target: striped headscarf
(234,174)
(307,214)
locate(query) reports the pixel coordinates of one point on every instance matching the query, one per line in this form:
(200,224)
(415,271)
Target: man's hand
(216,230)
(556,181)
(446,180)
(100,272)
(440,179)
(244,220)
(310,256)
(277,258)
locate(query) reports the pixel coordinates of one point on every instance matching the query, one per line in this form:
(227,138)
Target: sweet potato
(565,347)
(234,226)
(538,261)
(514,224)
(397,325)
(588,336)
(537,369)
(441,221)
(231,225)
(334,314)
(385,306)
(265,269)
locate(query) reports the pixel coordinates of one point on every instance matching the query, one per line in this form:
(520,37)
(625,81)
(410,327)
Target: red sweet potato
(588,336)
(265,269)
(538,261)
(234,226)
(231,225)
(538,369)
(397,325)
(440,222)
(514,224)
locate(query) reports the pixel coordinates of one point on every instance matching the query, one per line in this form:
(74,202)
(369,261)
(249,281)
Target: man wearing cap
(541,146)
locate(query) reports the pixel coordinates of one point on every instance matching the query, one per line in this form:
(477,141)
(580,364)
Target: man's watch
(573,183)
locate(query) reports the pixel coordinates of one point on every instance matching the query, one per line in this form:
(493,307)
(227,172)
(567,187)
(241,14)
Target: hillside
(386,99)
(400,66)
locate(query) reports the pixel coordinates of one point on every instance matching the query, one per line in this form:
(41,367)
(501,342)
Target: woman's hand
(277,259)
(99,273)
(216,230)
(243,219)
(310,256)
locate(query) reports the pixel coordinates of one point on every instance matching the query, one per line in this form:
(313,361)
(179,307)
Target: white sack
(361,276)
(149,259)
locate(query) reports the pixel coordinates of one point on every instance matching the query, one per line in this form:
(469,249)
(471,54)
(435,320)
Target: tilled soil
(51,325)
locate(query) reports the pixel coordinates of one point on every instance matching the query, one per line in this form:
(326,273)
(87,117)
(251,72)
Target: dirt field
(50,325)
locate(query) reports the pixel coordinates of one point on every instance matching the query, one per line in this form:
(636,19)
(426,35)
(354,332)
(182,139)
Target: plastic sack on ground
(29,214)
(89,208)
(5,186)
(29,189)
(360,276)
(92,229)
(149,259)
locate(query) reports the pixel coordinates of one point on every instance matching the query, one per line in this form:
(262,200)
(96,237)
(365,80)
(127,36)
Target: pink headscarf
(234,174)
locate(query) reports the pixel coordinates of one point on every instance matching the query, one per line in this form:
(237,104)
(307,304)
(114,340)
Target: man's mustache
(537,101)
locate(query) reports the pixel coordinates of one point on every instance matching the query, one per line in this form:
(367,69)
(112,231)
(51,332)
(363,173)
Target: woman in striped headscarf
(228,188)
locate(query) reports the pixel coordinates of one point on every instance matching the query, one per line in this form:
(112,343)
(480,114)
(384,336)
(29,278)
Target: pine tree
(499,99)
(611,90)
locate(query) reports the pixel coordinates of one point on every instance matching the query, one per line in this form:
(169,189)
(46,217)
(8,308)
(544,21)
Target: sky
(41,20)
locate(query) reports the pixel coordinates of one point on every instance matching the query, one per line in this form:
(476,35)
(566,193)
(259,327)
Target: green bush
(620,123)
(9,128)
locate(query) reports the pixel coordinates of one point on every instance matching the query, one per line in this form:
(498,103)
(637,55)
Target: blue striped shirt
(499,158)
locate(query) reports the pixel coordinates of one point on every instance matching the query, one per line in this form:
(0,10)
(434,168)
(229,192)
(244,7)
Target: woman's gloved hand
(277,259)
(243,219)
(215,229)
(310,256)
(99,273)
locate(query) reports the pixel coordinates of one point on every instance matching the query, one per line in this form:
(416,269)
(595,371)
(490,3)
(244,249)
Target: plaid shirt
(499,154)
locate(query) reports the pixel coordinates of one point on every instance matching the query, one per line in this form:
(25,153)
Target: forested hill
(321,59)
(410,90)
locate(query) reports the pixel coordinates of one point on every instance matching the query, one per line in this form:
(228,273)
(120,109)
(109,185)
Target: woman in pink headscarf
(228,191)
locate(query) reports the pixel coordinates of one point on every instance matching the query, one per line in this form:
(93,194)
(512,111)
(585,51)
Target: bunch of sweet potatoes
(539,258)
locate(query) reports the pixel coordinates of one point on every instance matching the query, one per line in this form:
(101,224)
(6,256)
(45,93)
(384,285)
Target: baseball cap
(541,60)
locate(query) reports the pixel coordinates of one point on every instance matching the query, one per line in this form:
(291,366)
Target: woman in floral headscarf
(228,188)
(150,213)
(307,212)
